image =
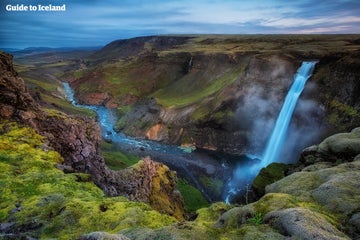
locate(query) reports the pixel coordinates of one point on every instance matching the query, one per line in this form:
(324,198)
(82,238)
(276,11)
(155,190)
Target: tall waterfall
(244,174)
(274,146)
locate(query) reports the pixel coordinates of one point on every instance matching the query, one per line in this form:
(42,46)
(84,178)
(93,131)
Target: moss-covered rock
(342,144)
(103,236)
(303,224)
(193,199)
(268,175)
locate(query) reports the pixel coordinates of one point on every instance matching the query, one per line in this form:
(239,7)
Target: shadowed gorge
(148,132)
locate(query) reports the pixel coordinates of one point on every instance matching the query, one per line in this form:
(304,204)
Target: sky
(98,22)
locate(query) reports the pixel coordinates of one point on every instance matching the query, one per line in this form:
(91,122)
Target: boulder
(338,147)
(342,144)
(268,175)
(301,223)
(103,236)
(235,217)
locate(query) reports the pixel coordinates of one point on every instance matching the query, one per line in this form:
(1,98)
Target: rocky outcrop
(78,139)
(16,102)
(268,175)
(103,236)
(303,224)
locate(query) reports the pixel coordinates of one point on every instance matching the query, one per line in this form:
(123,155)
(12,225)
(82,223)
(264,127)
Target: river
(194,166)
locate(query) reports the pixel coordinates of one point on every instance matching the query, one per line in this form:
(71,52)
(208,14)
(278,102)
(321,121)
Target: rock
(103,236)
(336,187)
(341,192)
(341,146)
(303,224)
(268,175)
(235,217)
(354,223)
(154,183)
(317,166)
(345,145)
(298,184)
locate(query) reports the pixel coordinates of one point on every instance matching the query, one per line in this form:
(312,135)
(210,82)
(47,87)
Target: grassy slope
(116,159)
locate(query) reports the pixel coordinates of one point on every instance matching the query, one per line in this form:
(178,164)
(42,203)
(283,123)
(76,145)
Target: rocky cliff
(78,139)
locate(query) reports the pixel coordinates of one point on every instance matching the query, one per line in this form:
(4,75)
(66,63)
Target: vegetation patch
(187,91)
(51,87)
(256,219)
(66,106)
(115,159)
(341,114)
(214,184)
(193,198)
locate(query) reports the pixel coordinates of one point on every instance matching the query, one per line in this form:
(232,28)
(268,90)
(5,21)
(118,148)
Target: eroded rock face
(77,140)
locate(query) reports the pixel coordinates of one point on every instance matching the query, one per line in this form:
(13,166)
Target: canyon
(209,96)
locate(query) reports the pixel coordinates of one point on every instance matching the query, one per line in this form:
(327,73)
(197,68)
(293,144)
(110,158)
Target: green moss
(268,175)
(122,110)
(55,113)
(116,159)
(212,184)
(341,113)
(256,219)
(208,216)
(121,123)
(57,205)
(275,201)
(193,198)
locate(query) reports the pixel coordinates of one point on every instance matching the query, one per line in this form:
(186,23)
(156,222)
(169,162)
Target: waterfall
(244,174)
(274,146)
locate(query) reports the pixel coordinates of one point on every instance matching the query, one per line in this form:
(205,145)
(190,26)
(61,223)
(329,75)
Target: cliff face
(78,139)
(338,80)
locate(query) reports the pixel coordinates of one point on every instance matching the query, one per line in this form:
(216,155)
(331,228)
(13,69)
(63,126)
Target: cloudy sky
(97,22)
